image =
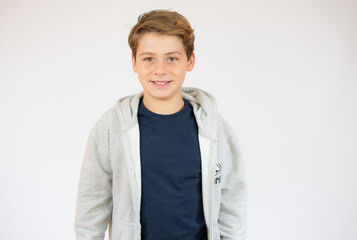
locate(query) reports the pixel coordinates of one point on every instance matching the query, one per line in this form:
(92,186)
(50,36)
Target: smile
(161,84)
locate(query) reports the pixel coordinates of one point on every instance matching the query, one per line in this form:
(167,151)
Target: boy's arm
(94,197)
(232,218)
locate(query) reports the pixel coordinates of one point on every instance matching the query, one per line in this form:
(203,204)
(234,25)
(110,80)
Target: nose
(160,68)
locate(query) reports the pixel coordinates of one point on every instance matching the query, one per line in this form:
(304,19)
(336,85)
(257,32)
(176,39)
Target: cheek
(179,70)
(144,70)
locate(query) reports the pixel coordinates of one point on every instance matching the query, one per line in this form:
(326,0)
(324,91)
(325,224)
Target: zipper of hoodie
(134,186)
(211,194)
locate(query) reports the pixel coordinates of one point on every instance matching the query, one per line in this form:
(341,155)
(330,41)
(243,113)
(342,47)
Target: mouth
(160,84)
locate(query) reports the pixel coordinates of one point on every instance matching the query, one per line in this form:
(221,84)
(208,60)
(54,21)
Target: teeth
(161,83)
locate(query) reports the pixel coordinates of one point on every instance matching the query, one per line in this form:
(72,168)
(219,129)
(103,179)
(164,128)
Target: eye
(148,59)
(172,59)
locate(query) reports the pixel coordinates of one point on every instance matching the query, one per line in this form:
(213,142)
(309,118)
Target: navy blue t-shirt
(171,204)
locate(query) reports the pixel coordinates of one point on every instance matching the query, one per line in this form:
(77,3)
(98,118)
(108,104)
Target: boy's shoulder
(107,118)
(226,132)
(110,118)
(106,123)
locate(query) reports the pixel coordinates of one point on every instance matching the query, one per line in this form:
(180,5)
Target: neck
(164,107)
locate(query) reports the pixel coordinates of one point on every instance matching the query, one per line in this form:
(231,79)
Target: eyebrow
(150,53)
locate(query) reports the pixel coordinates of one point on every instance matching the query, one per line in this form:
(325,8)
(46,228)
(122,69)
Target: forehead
(159,43)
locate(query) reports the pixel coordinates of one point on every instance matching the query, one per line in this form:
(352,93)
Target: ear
(191,62)
(134,63)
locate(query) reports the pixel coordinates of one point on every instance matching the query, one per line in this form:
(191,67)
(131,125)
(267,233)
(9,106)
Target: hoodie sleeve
(94,196)
(232,220)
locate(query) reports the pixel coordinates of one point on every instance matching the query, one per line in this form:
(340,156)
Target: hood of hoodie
(203,103)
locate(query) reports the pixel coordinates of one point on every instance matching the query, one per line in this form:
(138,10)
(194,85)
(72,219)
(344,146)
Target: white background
(284,74)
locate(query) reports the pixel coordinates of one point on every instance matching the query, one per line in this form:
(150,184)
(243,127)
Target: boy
(163,163)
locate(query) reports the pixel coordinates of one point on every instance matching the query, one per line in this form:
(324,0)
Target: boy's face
(161,58)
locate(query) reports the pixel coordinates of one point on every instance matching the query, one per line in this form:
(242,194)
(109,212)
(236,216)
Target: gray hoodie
(109,189)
